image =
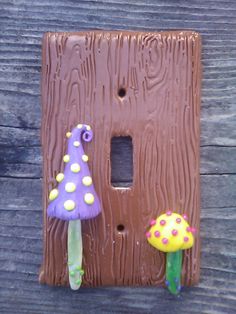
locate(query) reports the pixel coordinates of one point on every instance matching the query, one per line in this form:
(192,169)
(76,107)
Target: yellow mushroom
(170,233)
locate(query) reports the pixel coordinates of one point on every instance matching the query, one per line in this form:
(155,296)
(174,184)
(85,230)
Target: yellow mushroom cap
(170,232)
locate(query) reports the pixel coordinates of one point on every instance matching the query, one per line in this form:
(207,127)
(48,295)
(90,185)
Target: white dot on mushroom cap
(53,194)
(75,167)
(76,143)
(89,198)
(85,158)
(88,127)
(60,177)
(70,187)
(69,205)
(79,126)
(68,134)
(66,158)
(87,181)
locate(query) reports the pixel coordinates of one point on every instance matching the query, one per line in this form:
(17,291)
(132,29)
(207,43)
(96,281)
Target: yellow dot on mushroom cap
(60,177)
(76,143)
(87,181)
(75,167)
(53,194)
(68,134)
(79,126)
(70,187)
(89,198)
(69,205)
(85,158)
(88,127)
(66,158)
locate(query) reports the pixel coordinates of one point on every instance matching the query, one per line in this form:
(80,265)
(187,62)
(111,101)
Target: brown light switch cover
(161,75)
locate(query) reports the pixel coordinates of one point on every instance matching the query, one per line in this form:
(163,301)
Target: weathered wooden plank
(20,171)
(123,300)
(14,136)
(219,129)
(216,130)
(219,133)
(20,161)
(18,155)
(21,194)
(19,110)
(212,229)
(218,160)
(26,161)
(216,191)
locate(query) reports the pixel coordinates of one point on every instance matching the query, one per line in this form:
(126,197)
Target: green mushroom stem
(75,253)
(173,271)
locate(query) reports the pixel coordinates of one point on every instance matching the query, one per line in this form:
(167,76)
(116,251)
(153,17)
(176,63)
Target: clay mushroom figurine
(75,198)
(172,234)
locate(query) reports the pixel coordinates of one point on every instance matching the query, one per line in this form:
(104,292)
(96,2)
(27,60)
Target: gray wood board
(22,24)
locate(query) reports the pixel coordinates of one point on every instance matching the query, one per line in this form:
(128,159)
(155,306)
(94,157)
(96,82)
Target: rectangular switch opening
(122,161)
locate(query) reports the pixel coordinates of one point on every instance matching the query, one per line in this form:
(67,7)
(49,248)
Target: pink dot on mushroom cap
(186,239)
(165,241)
(168,213)
(157,234)
(174,232)
(162,222)
(185,216)
(178,220)
(148,234)
(152,222)
(188,229)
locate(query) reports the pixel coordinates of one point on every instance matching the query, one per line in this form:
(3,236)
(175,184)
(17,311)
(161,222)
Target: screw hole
(122,92)
(120,228)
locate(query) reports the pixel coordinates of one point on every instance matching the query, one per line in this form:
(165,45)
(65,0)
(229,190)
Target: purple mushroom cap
(75,196)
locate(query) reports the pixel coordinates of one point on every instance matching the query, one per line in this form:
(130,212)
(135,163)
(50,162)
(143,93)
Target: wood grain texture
(161,74)
(23,23)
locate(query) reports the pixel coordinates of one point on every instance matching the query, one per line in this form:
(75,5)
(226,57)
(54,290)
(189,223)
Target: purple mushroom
(75,199)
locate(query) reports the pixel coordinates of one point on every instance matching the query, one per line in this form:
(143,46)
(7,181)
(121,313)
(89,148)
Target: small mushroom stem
(173,271)
(75,251)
